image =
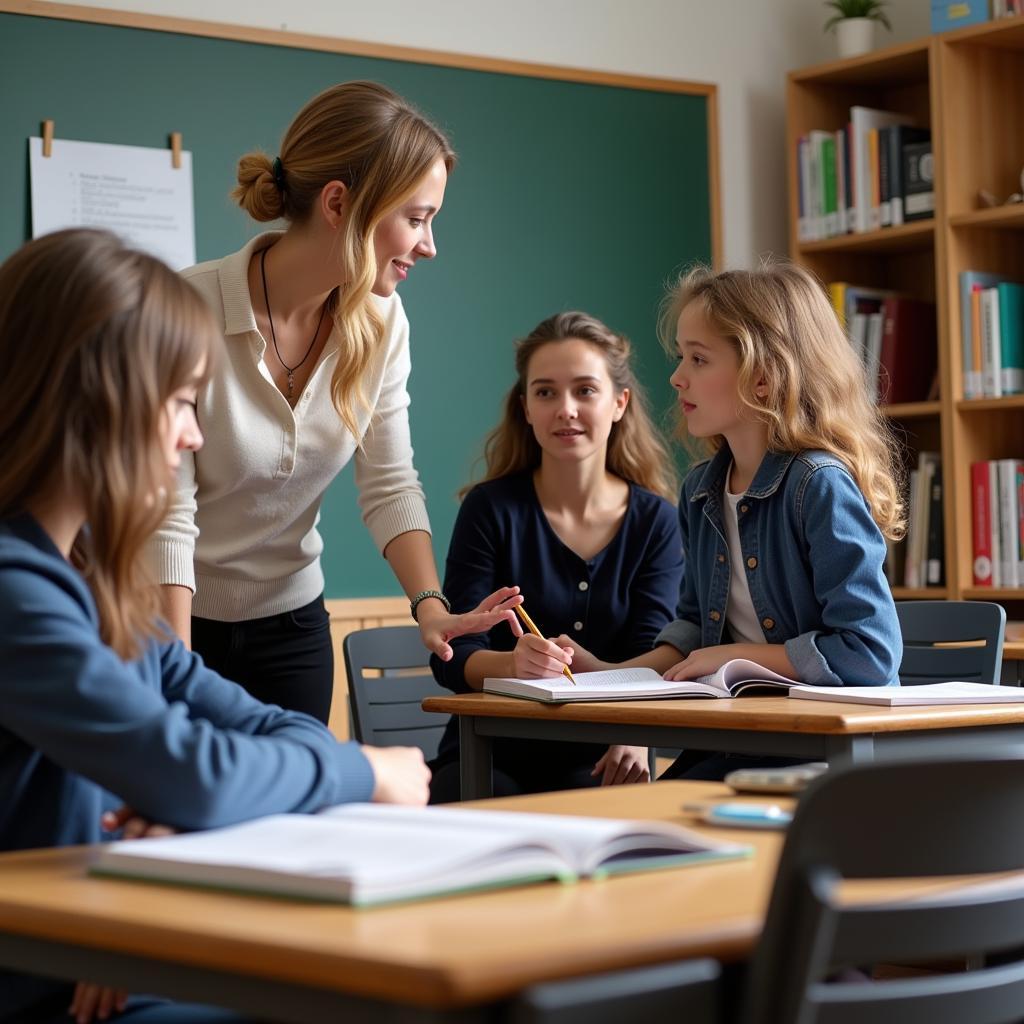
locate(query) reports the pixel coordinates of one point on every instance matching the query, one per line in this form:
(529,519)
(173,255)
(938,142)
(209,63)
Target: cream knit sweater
(242,530)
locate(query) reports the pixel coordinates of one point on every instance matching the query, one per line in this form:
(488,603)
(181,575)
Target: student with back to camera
(574,509)
(784,526)
(104,350)
(314,376)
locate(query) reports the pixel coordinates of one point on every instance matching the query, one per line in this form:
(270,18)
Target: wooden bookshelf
(966,86)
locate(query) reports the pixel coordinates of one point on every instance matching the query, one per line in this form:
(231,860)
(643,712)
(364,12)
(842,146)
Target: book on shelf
(951,14)
(908,355)
(360,853)
(953,692)
(997,523)
(918,181)
(864,120)
(972,283)
(918,569)
(894,139)
(935,575)
(735,677)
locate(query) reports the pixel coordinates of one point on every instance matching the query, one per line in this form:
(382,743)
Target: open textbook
(905,696)
(735,677)
(375,853)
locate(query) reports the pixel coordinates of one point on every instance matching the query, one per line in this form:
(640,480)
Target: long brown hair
(95,338)
(380,147)
(785,332)
(635,451)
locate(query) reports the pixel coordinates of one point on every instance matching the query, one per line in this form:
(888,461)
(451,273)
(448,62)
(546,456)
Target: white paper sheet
(135,192)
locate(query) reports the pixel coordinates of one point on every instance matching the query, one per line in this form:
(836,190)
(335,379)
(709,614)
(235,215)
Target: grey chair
(927,623)
(676,993)
(386,708)
(902,819)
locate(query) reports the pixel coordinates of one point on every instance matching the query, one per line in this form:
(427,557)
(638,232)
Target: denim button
(721,558)
(751,562)
(768,623)
(715,616)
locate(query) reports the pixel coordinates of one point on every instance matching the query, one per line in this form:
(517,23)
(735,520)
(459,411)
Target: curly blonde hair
(380,147)
(787,336)
(635,451)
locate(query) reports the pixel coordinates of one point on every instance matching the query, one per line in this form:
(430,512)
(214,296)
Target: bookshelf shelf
(1010,403)
(919,234)
(966,86)
(1007,217)
(912,410)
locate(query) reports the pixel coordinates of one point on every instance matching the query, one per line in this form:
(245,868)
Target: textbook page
(953,692)
(134,191)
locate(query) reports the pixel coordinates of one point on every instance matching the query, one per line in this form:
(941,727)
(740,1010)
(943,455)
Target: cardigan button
(577,626)
(751,562)
(768,623)
(715,616)
(584,585)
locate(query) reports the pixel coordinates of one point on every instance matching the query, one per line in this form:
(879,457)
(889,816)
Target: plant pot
(855,36)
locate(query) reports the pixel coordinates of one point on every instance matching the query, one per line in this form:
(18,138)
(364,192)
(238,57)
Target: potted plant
(854,23)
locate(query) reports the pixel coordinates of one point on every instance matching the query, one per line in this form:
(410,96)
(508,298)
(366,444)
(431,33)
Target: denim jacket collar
(766,480)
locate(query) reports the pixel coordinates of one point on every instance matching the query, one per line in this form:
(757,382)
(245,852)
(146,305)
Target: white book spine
(1008,543)
(994,531)
(991,351)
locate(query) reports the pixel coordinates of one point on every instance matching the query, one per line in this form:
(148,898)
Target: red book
(981,507)
(910,348)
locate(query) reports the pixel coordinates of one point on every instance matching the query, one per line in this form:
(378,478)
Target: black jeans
(284,659)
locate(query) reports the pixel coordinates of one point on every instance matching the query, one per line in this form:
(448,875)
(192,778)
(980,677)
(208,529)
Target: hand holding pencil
(538,660)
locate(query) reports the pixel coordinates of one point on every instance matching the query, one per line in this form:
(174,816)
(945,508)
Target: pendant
(290,379)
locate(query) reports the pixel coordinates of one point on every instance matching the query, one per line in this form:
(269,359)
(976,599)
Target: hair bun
(257,192)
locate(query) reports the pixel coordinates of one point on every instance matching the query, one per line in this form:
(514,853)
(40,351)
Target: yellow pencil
(528,623)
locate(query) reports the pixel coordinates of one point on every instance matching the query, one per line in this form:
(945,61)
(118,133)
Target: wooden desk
(456,958)
(806,730)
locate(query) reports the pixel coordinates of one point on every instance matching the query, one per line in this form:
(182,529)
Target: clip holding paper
(176,150)
(47,138)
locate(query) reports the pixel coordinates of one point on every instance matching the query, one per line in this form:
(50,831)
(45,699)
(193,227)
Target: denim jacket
(814,559)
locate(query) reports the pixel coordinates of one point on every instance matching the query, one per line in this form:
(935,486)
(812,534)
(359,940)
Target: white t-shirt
(740,616)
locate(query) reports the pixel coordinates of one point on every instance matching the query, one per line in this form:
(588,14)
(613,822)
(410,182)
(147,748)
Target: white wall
(744,46)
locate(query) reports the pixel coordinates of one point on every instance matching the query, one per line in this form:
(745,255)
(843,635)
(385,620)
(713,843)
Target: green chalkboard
(568,194)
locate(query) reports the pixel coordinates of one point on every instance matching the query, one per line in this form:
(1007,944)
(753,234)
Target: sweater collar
(233,275)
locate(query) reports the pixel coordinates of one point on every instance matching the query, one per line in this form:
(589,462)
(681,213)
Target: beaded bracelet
(423,595)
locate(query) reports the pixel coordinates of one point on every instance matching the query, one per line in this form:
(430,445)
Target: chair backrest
(924,624)
(901,819)
(676,993)
(386,708)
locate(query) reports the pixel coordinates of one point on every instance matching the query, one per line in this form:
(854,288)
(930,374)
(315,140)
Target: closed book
(918,181)
(981,519)
(1011,337)
(735,677)
(991,345)
(898,136)
(953,692)
(365,854)
(994,536)
(970,327)
(1009,544)
(884,178)
(936,576)
(950,14)
(862,121)
(909,350)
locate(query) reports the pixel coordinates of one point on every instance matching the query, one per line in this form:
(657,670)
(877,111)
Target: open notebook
(374,853)
(735,677)
(906,696)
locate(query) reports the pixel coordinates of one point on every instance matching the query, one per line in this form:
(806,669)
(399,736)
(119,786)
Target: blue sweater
(614,604)
(82,731)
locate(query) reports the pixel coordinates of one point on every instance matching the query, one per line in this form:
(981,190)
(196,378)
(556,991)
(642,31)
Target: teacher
(313,375)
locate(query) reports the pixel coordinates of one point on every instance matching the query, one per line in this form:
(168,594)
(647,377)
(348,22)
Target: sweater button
(768,623)
(751,562)
(715,615)
(577,626)
(584,585)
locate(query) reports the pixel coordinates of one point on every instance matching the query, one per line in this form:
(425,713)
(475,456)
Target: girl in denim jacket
(784,524)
